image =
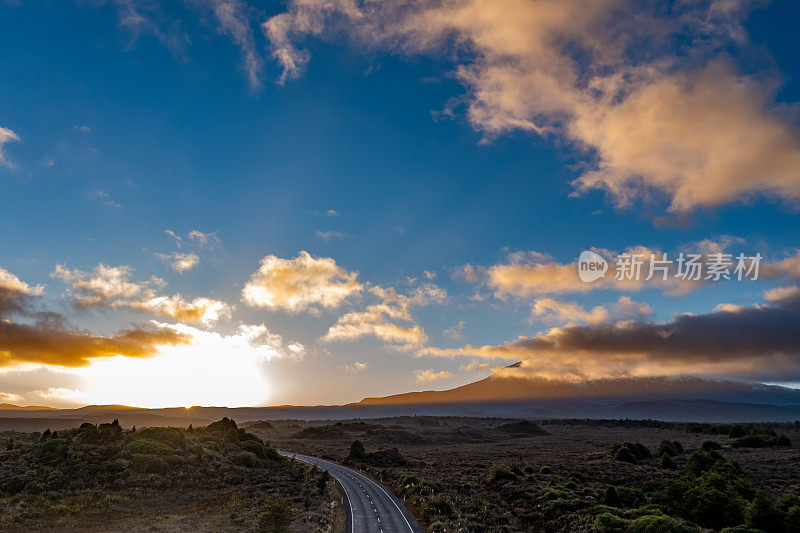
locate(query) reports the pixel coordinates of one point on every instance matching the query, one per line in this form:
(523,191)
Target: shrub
(661,524)
(147,446)
(763,513)
(545,470)
(709,445)
(501,473)
(646,510)
(629,452)
(630,497)
(53,447)
(149,464)
(608,523)
(357,452)
(222,426)
(669,447)
(277,516)
(668,462)
(528,469)
(248,459)
(109,432)
(751,441)
(253,447)
(553,494)
(272,454)
(173,437)
(436,506)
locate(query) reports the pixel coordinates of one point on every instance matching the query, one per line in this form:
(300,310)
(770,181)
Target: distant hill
(671,399)
(504,389)
(12,407)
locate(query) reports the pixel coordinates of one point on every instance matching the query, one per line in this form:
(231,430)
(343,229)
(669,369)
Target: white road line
(394,502)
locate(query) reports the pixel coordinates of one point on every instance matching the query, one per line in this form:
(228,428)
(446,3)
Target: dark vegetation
(570,475)
(103,475)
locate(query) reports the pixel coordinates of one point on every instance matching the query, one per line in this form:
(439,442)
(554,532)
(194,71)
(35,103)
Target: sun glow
(215,369)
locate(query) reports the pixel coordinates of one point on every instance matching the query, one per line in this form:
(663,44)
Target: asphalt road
(373,509)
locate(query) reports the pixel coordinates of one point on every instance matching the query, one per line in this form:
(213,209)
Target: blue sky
(380,154)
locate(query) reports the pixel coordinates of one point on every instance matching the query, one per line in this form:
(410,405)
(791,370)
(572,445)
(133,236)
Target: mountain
(12,407)
(501,388)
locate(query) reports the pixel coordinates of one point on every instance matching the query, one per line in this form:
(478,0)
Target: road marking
(392,500)
(332,467)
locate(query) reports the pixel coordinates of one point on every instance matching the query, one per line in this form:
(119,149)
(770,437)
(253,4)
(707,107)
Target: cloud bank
(759,342)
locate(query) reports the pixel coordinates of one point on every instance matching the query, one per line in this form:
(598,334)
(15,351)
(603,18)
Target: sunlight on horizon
(215,370)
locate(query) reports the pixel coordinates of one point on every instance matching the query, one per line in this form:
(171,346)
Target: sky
(215,202)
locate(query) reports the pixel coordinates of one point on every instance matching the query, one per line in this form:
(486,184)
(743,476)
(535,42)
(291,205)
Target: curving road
(373,509)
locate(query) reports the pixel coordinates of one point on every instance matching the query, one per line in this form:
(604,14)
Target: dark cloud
(43,337)
(760,342)
(42,344)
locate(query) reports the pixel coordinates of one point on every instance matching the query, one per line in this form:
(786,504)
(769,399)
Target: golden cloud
(302,283)
(375,320)
(380,320)
(181,262)
(42,344)
(108,286)
(430,375)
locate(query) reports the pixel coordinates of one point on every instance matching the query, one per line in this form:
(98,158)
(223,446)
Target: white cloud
(429,375)
(181,262)
(6,136)
(111,286)
(357,366)
(389,320)
(10,397)
(299,284)
(204,239)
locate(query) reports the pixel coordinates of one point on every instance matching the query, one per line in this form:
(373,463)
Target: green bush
(357,451)
(609,523)
(147,446)
(545,470)
(669,447)
(629,452)
(501,473)
(173,437)
(553,494)
(436,507)
(668,462)
(661,524)
(248,459)
(752,441)
(253,447)
(149,464)
(272,454)
(763,513)
(53,447)
(709,445)
(277,516)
